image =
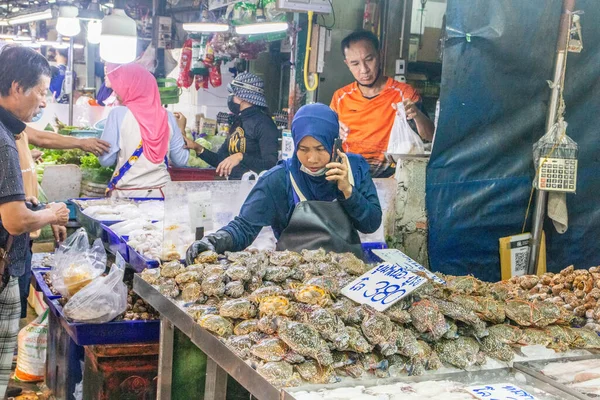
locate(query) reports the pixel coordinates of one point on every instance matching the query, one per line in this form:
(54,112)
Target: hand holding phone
(337,145)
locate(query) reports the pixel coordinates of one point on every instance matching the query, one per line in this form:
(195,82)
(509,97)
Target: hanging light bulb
(67,23)
(94,30)
(118,41)
(261,27)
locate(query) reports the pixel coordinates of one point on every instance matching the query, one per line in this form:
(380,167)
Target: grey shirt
(11,187)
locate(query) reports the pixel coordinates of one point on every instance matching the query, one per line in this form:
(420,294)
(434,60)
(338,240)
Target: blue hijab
(320,122)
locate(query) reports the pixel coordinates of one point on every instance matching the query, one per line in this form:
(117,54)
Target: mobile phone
(32,207)
(337,145)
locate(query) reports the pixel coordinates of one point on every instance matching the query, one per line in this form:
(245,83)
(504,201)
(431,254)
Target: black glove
(219,242)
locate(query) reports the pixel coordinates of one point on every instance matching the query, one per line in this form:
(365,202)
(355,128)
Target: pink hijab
(138,91)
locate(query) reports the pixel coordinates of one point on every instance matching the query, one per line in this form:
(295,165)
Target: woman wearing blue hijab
(310,201)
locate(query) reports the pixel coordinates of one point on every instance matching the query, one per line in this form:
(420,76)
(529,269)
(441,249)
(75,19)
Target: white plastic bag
(403,140)
(32,343)
(77,264)
(101,301)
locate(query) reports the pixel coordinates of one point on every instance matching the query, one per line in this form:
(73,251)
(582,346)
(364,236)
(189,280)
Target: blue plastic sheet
(494,98)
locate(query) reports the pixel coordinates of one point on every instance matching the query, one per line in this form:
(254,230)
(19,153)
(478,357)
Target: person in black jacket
(252,144)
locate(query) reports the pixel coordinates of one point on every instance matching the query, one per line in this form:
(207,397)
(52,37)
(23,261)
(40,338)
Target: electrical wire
(333,12)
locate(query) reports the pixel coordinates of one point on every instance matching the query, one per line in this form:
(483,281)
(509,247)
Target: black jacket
(253,133)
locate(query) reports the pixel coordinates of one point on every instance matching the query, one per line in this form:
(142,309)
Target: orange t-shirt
(370,120)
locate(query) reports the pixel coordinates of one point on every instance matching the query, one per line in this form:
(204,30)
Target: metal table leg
(216,381)
(165,360)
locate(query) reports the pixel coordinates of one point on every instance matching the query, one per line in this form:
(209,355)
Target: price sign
(383,286)
(120,261)
(501,391)
(397,257)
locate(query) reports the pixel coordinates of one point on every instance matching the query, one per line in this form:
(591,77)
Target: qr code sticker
(288,146)
(520,261)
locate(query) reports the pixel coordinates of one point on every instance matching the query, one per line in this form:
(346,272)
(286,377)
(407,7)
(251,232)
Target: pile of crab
(283,313)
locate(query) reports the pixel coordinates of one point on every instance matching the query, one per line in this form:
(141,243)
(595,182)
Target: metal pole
(402,28)
(560,63)
(71,48)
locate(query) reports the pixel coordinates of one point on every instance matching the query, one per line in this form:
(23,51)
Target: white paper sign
(500,391)
(383,286)
(120,261)
(397,257)
(287,145)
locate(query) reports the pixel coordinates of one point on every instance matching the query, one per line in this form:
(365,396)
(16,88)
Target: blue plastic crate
(116,244)
(138,262)
(116,332)
(368,253)
(40,284)
(72,209)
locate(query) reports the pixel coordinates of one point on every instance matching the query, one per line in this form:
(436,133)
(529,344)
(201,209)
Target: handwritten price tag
(501,391)
(397,257)
(383,286)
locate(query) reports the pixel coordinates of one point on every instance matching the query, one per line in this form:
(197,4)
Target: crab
(246,327)
(425,359)
(427,318)
(168,288)
(494,346)
(315,256)
(375,364)
(350,263)
(213,285)
(311,294)
(151,275)
(329,326)
(465,284)
(507,334)
(213,269)
(309,268)
(238,309)
(501,291)
(240,344)
(297,274)
(562,337)
(330,269)
(276,305)
(407,343)
(346,364)
(234,289)
(279,374)
(188,277)
(285,258)
(207,257)
(396,364)
(312,372)
(267,324)
(452,332)
(271,349)
(216,324)
(265,291)
(399,312)
(192,292)
(534,336)
(342,308)
(329,283)
(171,269)
(277,273)
(486,308)
(586,339)
(239,273)
(237,256)
(357,342)
(538,314)
(379,330)
(198,310)
(460,313)
(304,340)
(461,353)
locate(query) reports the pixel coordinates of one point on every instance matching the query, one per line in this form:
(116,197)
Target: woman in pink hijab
(144,137)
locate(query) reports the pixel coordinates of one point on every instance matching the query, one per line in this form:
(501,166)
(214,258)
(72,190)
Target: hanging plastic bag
(215,74)
(32,343)
(403,140)
(554,144)
(148,58)
(185,80)
(77,264)
(101,301)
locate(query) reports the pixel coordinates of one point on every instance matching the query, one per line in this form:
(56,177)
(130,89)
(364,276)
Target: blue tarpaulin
(494,99)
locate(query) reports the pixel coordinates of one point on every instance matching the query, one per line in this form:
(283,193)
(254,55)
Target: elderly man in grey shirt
(24,79)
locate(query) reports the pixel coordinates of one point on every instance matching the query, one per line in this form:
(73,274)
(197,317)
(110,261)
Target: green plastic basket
(168,90)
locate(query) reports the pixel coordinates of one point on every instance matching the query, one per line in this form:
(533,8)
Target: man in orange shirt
(366,108)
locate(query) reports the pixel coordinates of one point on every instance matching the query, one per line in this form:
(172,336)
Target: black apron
(319,224)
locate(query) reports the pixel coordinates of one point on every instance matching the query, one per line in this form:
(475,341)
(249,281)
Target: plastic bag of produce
(403,140)
(32,343)
(101,301)
(77,264)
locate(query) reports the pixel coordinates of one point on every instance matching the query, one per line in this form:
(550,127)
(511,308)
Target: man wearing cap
(252,144)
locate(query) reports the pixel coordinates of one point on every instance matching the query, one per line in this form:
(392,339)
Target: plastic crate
(115,243)
(191,174)
(368,253)
(40,284)
(138,262)
(72,210)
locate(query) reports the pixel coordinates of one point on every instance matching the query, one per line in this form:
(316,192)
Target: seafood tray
(137,261)
(438,386)
(578,376)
